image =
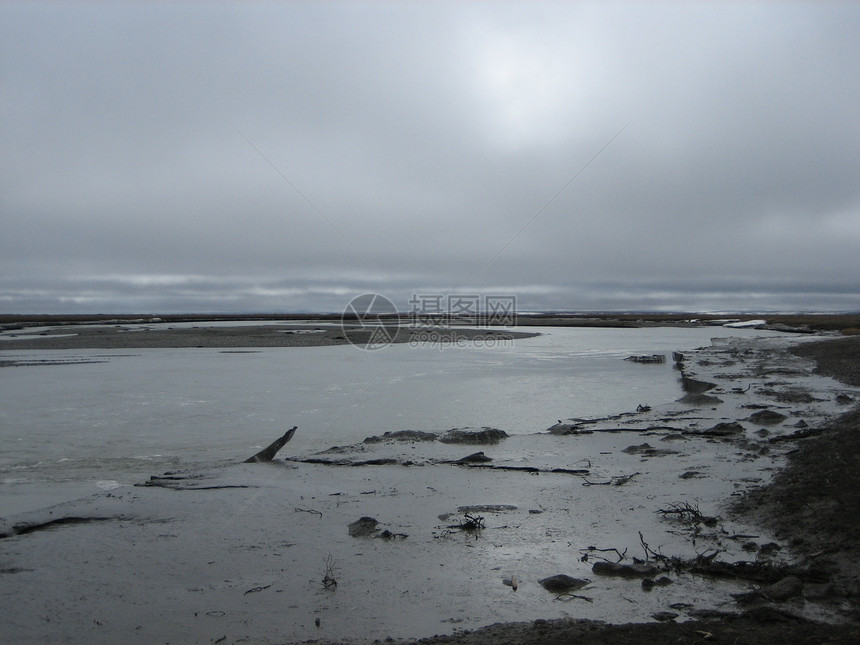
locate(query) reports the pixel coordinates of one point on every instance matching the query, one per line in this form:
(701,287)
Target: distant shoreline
(319,330)
(801,322)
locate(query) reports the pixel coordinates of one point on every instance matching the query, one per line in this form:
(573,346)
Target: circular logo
(370,321)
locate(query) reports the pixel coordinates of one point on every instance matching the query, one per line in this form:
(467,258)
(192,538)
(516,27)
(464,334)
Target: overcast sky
(224,157)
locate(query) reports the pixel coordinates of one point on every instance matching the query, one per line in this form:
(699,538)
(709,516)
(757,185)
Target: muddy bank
(812,504)
(839,358)
(748,630)
(157,335)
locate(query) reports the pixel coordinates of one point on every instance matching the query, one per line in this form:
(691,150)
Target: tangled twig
(329,581)
(587,553)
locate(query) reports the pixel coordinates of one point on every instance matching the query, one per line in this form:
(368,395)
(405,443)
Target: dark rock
(770,548)
(724,429)
(475,458)
(388,535)
(766,417)
(562,583)
(844,399)
(690,474)
(483,436)
(635,450)
(649,583)
(363,527)
(403,435)
(762,432)
(664,616)
(638,570)
(647,450)
(568,428)
(692,386)
(788,587)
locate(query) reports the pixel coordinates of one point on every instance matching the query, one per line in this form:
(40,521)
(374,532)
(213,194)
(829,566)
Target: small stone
(769,548)
(664,616)
(647,450)
(700,399)
(562,583)
(363,527)
(724,429)
(766,417)
(649,583)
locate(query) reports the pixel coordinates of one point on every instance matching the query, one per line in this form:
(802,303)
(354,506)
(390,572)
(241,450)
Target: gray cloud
(422,139)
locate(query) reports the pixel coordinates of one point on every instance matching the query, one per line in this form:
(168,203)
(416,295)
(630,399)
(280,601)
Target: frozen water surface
(120,415)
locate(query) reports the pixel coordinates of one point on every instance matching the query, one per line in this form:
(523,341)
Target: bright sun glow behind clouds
(531,85)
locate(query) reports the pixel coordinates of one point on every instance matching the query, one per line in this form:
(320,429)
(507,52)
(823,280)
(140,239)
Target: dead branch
(470,523)
(651,553)
(268,453)
(587,553)
(688,514)
(618,480)
(567,597)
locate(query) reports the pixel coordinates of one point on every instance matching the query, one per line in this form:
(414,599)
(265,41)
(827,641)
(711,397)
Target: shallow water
(118,416)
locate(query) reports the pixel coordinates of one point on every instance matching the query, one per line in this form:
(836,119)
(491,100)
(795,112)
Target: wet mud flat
(272,334)
(624,519)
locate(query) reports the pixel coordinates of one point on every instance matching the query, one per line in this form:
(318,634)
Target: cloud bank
(285,157)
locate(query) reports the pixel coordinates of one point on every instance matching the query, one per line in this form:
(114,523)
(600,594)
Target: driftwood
(267,454)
